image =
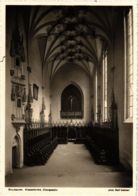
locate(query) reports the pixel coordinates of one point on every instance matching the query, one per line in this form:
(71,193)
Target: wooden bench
(102,142)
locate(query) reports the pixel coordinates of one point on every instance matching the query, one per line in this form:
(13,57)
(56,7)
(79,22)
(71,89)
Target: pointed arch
(72,101)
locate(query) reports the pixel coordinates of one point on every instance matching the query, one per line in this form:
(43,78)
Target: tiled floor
(70,165)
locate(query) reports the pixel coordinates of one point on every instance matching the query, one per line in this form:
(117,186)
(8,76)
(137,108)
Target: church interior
(69,96)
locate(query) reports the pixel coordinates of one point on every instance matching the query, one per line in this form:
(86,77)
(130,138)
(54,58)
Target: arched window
(105,86)
(71,102)
(128,43)
(96,97)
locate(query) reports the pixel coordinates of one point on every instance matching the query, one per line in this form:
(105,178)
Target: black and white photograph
(69,96)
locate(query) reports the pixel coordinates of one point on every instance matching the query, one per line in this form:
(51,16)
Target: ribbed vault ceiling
(71,34)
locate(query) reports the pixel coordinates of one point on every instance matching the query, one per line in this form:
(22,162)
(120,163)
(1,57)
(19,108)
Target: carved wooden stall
(73,132)
(38,144)
(103,140)
(102,144)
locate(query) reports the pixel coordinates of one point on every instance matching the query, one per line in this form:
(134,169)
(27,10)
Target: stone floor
(70,165)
